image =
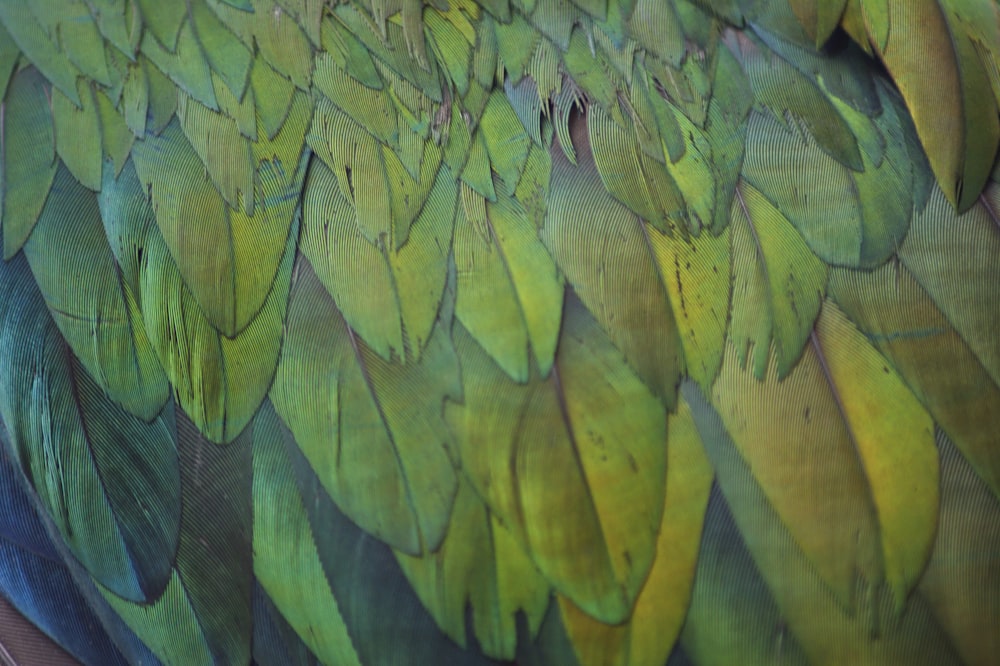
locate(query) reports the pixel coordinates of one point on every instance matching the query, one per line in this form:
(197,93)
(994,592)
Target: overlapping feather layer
(564,331)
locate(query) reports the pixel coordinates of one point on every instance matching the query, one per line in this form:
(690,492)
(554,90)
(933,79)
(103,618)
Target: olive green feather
(372,428)
(27,158)
(220,394)
(517,439)
(569,332)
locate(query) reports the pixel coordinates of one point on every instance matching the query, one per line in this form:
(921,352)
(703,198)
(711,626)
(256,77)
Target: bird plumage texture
(596,332)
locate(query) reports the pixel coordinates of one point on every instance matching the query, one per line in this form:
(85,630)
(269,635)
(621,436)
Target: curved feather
(108,480)
(432,481)
(27,157)
(162,20)
(9,55)
(872,207)
(824,411)
(961,136)
(204,615)
(219,381)
(34,580)
(38,46)
(275,643)
(604,261)
(959,580)
(116,136)
(661,609)
(901,319)
(299,588)
(224,53)
(391,297)
(501,262)
(95,310)
(371,428)
(480,566)
(733,615)
(572,463)
(78,134)
(819,624)
(279,39)
(338,562)
(953,257)
(184,63)
(778,284)
(232,286)
(819,19)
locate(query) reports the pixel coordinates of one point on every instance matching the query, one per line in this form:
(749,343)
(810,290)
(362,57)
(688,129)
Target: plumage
(548,332)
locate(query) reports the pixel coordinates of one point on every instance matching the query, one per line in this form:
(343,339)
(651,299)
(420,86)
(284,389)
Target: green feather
(556,452)
(69,23)
(27,158)
(440,422)
(218,393)
(481,566)
(953,582)
(95,310)
(299,587)
(389,467)
(778,283)
(600,268)
(163,20)
(810,614)
(733,616)
(509,292)
(82,153)
(954,259)
(224,53)
(204,615)
(108,480)
(279,40)
(902,320)
(186,67)
(38,47)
